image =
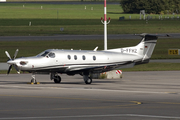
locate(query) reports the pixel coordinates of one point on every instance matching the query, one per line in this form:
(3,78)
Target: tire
(57,79)
(89,81)
(33,80)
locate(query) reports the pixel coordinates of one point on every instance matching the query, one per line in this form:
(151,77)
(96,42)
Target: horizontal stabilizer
(152,35)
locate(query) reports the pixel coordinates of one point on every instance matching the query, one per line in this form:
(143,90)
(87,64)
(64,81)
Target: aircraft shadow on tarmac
(95,82)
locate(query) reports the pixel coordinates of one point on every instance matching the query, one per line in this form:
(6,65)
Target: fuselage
(69,60)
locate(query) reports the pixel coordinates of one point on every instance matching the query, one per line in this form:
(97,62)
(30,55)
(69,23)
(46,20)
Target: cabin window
(51,55)
(83,57)
(69,57)
(75,57)
(94,57)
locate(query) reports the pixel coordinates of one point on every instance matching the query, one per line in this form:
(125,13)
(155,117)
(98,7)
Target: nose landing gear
(33,80)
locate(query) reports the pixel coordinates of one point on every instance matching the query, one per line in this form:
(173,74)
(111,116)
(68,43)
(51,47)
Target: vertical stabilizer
(147,45)
(144,49)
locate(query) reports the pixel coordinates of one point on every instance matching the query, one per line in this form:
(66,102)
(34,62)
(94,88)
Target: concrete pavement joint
(93,116)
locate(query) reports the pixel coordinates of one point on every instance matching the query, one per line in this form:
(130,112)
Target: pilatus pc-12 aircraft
(84,62)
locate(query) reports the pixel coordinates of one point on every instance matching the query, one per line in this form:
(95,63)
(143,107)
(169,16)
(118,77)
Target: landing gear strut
(55,77)
(33,80)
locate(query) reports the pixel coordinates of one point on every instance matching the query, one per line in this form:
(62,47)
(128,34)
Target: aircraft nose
(10,62)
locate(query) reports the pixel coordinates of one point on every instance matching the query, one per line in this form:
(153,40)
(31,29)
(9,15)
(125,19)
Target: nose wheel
(33,80)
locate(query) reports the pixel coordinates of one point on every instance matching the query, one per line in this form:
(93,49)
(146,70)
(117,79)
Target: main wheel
(57,79)
(89,80)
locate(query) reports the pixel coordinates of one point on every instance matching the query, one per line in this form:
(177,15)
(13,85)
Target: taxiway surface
(79,37)
(138,95)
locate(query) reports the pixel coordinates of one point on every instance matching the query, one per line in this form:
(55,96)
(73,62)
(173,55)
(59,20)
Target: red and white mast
(105,26)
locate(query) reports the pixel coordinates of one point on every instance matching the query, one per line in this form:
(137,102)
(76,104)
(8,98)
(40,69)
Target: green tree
(150,6)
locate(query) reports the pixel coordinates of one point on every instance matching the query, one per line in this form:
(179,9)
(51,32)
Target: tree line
(100,0)
(151,6)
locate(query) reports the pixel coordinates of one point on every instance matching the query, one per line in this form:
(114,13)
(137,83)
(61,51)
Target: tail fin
(144,49)
(147,45)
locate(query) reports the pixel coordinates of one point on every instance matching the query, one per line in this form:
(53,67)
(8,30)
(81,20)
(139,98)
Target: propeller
(8,55)
(10,67)
(15,54)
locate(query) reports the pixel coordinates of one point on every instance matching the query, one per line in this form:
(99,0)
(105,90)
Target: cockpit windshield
(47,54)
(44,54)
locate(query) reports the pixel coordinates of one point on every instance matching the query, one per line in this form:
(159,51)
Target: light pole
(105,26)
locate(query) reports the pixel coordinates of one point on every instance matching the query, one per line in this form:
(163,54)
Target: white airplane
(84,62)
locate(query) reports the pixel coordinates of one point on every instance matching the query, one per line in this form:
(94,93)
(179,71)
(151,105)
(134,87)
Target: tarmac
(138,95)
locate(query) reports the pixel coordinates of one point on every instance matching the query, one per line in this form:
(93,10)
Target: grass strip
(155,67)
(75,19)
(20,27)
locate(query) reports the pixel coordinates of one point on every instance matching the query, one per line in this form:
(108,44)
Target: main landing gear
(87,79)
(55,77)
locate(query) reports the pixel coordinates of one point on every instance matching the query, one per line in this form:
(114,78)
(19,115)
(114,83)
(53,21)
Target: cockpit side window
(51,55)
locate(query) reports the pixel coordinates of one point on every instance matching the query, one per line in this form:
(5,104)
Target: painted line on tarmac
(93,116)
(91,89)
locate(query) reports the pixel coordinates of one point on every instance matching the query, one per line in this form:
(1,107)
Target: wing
(103,67)
(79,68)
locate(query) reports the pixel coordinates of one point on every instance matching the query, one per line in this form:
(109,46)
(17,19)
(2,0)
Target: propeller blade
(16,69)
(8,55)
(10,67)
(15,54)
(11,61)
